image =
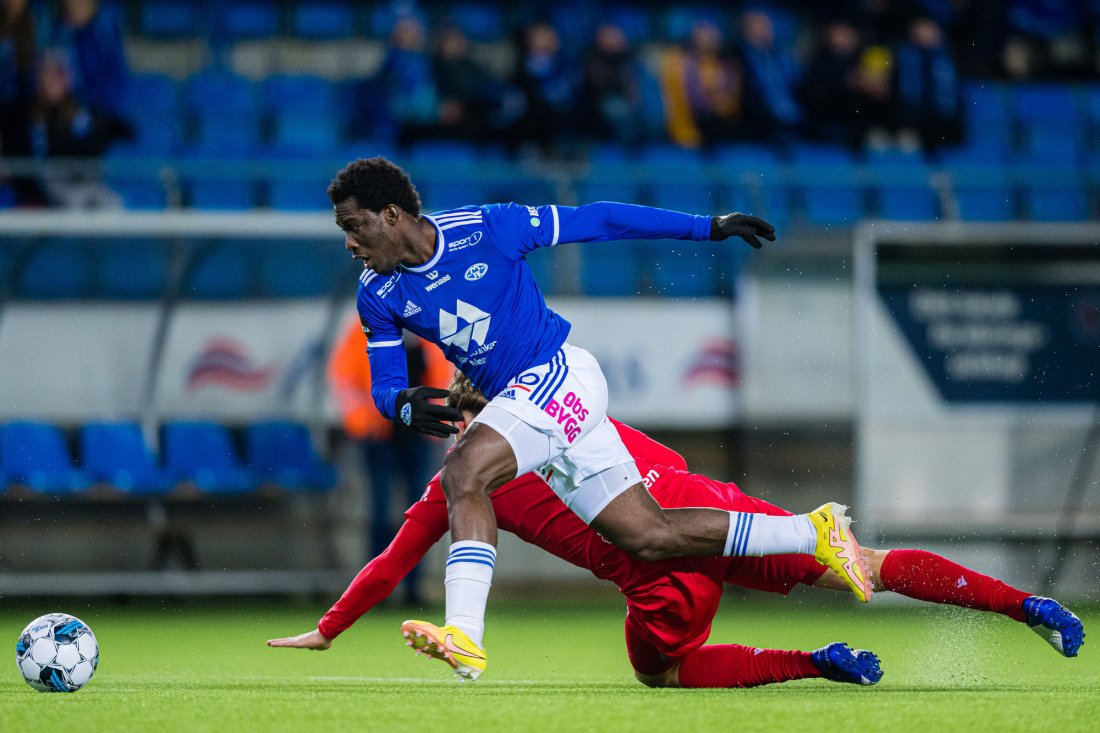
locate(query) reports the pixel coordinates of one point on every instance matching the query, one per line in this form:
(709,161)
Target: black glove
(413,409)
(741,225)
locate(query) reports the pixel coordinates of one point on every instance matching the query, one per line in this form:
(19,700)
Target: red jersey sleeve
(641,446)
(425,523)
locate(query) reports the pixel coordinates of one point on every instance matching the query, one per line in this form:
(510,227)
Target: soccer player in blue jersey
(459,279)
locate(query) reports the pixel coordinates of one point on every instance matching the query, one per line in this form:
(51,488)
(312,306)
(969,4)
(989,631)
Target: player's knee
(462,475)
(664,679)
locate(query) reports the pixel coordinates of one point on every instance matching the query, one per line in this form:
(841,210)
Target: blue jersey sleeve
(389,372)
(520,229)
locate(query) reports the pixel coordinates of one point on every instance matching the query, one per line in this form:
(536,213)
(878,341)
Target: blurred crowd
(860,73)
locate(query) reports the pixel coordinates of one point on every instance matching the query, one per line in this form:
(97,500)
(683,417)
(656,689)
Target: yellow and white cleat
(448,643)
(838,550)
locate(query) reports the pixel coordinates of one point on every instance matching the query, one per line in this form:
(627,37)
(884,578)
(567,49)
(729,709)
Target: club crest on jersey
(476,271)
(411,309)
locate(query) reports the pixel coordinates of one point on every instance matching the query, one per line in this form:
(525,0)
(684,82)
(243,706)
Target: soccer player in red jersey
(671,603)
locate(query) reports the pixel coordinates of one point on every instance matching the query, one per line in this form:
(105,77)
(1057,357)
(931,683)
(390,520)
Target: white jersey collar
(439,247)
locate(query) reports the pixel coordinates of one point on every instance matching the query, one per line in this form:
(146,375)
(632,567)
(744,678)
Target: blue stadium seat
(246,19)
(298,93)
(988,117)
(158,92)
(611,268)
(297,269)
(301,188)
(202,452)
(322,20)
(480,21)
(901,186)
(36,454)
(831,193)
(171,18)
(677,21)
(684,270)
(443,175)
(282,452)
(140,189)
(116,453)
(52,272)
(305,133)
(634,21)
(1052,129)
(752,173)
(221,271)
(134,270)
(219,91)
(680,180)
(1060,198)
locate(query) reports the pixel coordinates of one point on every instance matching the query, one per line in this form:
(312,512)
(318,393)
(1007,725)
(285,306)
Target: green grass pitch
(554,666)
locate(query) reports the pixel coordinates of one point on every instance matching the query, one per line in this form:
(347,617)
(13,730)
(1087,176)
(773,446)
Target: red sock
(930,577)
(733,665)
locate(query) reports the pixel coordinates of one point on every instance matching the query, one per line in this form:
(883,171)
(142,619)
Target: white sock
(763,534)
(469,575)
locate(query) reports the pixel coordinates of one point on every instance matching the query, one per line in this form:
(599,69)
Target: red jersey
(528,508)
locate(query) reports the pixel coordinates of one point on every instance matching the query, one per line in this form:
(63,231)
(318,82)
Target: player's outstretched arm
(309,640)
(749,228)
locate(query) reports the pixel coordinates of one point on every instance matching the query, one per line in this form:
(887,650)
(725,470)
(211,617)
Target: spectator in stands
(61,127)
(1047,38)
(772,80)
(17,93)
(613,88)
(92,37)
(385,449)
(702,88)
(928,94)
(407,83)
(831,86)
(467,92)
(548,82)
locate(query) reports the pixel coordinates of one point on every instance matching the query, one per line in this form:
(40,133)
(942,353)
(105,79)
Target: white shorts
(555,418)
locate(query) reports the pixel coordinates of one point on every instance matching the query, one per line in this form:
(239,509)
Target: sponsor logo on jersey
(468,241)
(389,285)
(476,271)
(411,309)
(437,282)
(467,324)
(650,478)
(366,327)
(433,274)
(508,394)
(535,221)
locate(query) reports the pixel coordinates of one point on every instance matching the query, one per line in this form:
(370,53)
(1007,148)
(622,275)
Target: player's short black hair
(375,183)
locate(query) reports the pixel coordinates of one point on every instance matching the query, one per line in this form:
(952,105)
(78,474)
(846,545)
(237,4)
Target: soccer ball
(57,653)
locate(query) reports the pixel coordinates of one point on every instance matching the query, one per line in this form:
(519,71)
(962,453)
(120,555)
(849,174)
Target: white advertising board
(74,362)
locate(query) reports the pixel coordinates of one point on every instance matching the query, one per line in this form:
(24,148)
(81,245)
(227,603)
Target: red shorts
(670,605)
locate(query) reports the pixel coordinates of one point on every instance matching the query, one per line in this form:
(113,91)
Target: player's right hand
(412,408)
(741,225)
(309,640)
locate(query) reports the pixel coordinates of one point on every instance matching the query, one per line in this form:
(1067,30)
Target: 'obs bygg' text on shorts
(555,418)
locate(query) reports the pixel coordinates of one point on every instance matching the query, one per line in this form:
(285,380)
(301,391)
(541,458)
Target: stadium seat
(128,175)
(322,20)
(202,452)
(680,180)
(828,182)
(298,93)
(301,186)
(218,179)
(134,270)
(36,454)
(165,19)
(684,270)
(116,453)
(305,133)
(611,269)
(988,117)
(299,269)
(901,186)
(220,271)
(442,171)
(219,91)
(245,19)
(53,272)
(1059,198)
(754,184)
(480,21)
(611,176)
(282,452)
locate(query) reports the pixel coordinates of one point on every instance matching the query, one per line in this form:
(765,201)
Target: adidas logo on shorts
(508,394)
(411,309)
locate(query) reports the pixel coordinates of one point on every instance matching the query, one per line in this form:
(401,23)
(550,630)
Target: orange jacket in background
(349,380)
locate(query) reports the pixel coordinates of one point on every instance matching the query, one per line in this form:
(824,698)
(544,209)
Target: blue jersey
(476,298)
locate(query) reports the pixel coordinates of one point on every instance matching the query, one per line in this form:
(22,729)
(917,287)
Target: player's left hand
(741,225)
(309,640)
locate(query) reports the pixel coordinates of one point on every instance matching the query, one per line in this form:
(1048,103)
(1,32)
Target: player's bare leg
(927,576)
(481,461)
(309,640)
(634,521)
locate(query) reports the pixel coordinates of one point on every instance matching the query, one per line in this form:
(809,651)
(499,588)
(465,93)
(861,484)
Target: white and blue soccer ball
(57,653)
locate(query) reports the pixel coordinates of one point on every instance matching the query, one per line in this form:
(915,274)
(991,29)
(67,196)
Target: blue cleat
(1056,624)
(840,663)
